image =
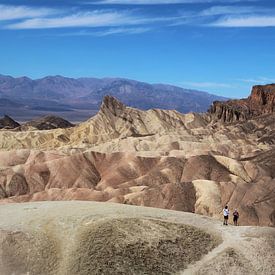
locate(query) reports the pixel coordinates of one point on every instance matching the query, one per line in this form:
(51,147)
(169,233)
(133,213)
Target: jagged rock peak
(47,123)
(112,105)
(261,101)
(229,111)
(262,98)
(8,122)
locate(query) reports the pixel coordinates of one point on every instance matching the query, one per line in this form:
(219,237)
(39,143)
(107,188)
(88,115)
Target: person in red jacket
(235,217)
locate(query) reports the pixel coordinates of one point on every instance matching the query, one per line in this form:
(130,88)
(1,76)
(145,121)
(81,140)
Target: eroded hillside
(158,158)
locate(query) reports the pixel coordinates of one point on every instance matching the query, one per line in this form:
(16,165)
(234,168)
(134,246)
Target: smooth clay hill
(159,158)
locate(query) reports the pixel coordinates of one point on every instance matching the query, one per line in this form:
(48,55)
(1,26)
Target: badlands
(159,158)
(72,199)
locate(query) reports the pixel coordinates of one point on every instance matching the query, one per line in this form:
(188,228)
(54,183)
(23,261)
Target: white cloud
(123,31)
(259,80)
(83,19)
(245,21)
(218,13)
(23,17)
(226,10)
(208,85)
(160,2)
(106,32)
(97,18)
(20,12)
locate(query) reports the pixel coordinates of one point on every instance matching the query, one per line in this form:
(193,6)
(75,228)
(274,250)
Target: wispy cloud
(83,19)
(8,12)
(161,2)
(258,80)
(134,20)
(227,10)
(245,21)
(106,32)
(123,31)
(223,16)
(97,18)
(208,85)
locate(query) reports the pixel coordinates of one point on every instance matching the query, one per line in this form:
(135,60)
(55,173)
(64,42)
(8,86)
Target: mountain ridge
(78,99)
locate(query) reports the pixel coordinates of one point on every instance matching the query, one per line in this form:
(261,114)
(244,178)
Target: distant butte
(261,101)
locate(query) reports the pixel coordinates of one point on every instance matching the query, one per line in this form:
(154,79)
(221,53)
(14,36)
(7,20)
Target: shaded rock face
(47,123)
(261,101)
(112,105)
(229,111)
(8,123)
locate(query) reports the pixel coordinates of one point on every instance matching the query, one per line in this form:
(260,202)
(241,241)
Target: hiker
(225,215)
(235,217)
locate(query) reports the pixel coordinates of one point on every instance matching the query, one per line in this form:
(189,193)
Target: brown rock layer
(261,101)
(8,123)
(46,123)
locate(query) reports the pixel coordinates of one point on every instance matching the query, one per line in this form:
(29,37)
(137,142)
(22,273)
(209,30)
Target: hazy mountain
(78,99)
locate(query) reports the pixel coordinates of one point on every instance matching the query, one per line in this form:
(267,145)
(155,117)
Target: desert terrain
(106,238)
(87,198)
(187,162)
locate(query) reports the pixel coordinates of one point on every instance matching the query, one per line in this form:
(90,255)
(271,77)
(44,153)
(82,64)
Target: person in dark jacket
(235,217)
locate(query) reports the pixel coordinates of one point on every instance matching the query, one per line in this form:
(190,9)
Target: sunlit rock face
(261,101)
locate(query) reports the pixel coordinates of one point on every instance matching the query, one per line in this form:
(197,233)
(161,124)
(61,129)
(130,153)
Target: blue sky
(220,46)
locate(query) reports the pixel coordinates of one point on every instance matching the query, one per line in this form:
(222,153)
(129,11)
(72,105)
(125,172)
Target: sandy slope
(97,238)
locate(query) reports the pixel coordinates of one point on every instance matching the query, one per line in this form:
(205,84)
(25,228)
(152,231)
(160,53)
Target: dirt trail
(229,236)
(244,250)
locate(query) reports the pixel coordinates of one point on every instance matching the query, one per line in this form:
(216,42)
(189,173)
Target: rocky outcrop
(229,111)
(112,105)
(8,123)
(261,101)
(46,123)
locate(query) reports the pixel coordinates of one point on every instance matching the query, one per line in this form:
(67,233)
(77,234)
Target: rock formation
(261,101)
(8,123)
(156,158)
(46,123)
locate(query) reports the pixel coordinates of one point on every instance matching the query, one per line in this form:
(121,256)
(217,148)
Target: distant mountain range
(78,99)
